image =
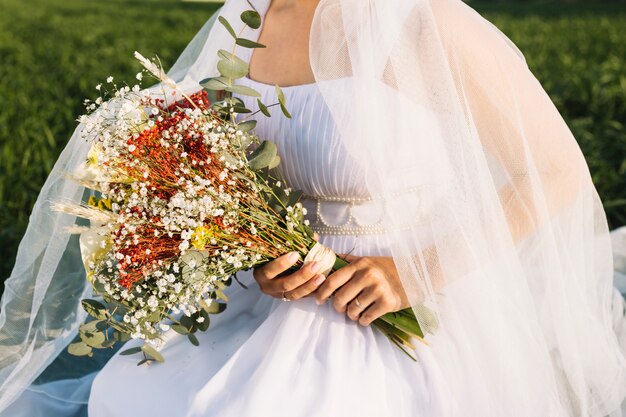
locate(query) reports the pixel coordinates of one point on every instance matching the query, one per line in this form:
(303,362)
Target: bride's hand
(273,281)
(373,280)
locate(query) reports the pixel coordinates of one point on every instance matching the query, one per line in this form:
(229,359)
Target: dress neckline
(287,87)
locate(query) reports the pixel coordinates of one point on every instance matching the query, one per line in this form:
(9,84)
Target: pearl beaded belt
(347,222)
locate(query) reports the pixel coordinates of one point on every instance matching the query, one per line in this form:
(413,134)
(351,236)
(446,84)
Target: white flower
(200,319)
(98,87)
(139,76)
(153,302)
(110,79)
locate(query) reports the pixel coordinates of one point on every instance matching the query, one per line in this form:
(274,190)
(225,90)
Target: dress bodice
(313,159)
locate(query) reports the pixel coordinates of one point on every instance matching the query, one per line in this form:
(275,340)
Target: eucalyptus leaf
(281,195)
(228,27)
(121,336)
(141,362)
(275,162)
(131,351)
(94,326)
(155,316)
(229,158)
(262,156)
(215,308)
(152,353)
(204,326)
(247,43)
(251,18)
(93,339)
(216,83)
(232,68)
(279,94)
(94,308)
(263,108)
(294,197)
(180,329)
(193,339)
(187,322)
(237,102)
(220,294)
(79,349)
(194,266)
(243,90)
(247,126)
(241,110)
(283,108)
(282,102)
(108,343)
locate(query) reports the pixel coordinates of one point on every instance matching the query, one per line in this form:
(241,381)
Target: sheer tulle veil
(496,226)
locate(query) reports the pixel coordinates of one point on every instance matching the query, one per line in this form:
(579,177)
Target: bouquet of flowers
(184,195)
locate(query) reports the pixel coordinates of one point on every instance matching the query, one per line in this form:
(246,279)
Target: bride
(431,157)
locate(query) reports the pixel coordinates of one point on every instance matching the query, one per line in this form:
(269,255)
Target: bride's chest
(313,157)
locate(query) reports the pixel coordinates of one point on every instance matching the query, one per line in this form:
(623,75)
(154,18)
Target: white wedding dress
(266,357)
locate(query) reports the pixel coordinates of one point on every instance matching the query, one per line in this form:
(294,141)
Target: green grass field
(53,52)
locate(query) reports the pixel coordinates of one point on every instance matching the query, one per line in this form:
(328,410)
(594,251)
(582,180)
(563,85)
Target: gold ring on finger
(357,302)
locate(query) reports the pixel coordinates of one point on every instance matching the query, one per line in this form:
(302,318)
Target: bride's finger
(276,267)
(333,282)
(307,288)
(292,281)
(367,297)
(348,291)
(373,312)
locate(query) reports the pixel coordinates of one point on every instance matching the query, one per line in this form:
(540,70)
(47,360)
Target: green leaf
(108,343)
(220,294)
(243,90)
(228,27)
(152,353)
(121,336)
(275,162)
(216,83)
(251,18)
(187,322)
(94,326)
(231,66)
(155,316)
(180,329)
(247,43)
(131,351)
(193,339)
(263,108)
(204,326)
(94,308)
(403,322)
(241,110)
(141,362)
(79,349)
(294,197)
(279,94)
(285,111)
(94,340)
(281,195)
(262,156)
(282,102)
(247,126)
(215,308)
